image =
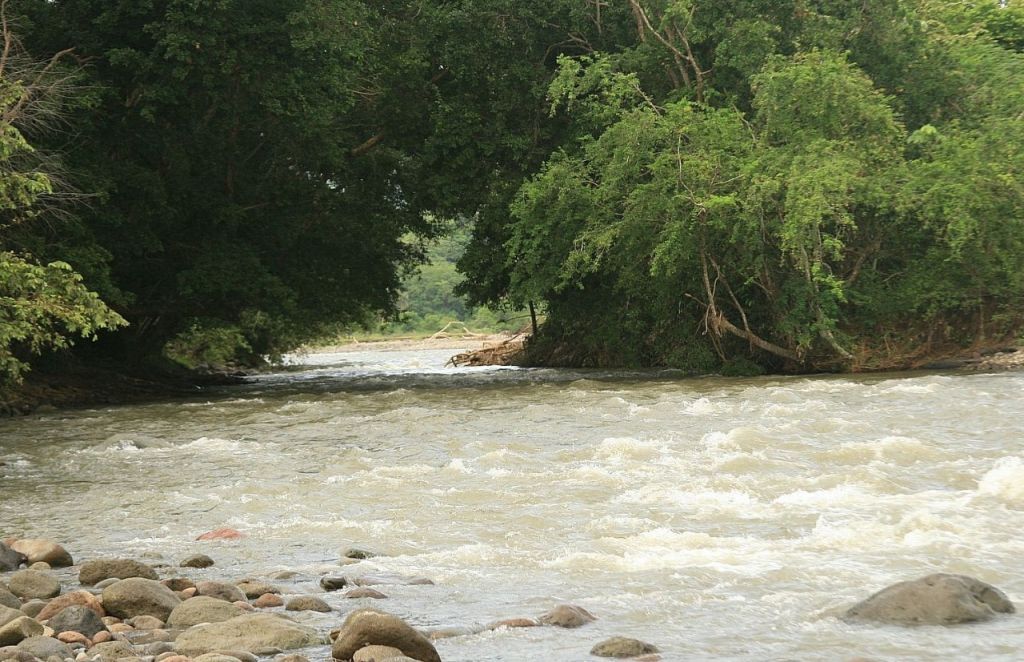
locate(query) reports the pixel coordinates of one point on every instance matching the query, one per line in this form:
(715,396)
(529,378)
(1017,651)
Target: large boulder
(202,609)
(254,633)
(938,599)
(33,585)
(135,596)
(10,559)
(46,551)
(95,571)
(14,632)
(77,618)
(369,627)
(82,598)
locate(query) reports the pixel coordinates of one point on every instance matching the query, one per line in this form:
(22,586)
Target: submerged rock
(197,561)
(939,599)
(333,583)
(567,616)
(623,647)
(366,627)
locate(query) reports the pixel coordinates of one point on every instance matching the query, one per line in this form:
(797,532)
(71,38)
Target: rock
(146,622)
(8,599)
(220,590)
(197,561)
(374,580)
(243,605)
(158,648)
(7,615)
(95,571)
(253,589)
(133,597)
(109,581)
(83,598)
(173,658)
(938,599)
(365,592)
(74,638)
(623,647)
(14,654)
(222,534)
(254,633)
(359,554)
(202,609)
(38,550)
(366,627)
(307,603)
(77,618)
(112,651)
(10,559)
(177,584)
(567,616)
(33,608)
(291,658)
(333,583)
(376,654)
(514,623)
(268,600)
(239,656)
(214,657)
(33,584)
(18,630)
(284,574)
(102,637)
(44,647)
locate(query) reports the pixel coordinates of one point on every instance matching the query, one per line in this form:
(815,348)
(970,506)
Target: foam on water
(1005,481)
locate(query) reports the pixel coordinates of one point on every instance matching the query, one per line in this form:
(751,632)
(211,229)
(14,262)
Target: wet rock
(77,618)
(109,581)
(44,647)
(202,609)
(567,616)
(33,584)
(83,598)
(294,657)
(112,651)
(253,589)
(33,608)
(284,574)
(177,584)
(457,631)
(19,629)
(939,599)
(95,571)
(371,627)
(268,600)
(7,614)
(133,597)
(158,648)
(197,561)
(358,554)
(14,654)
(10,559)
(255,633)
(307,603)
(365,592)
(222,534)
(38,550)
(240,656)
(220,590)
(8,599)
(333,583)
(622,647)
(376,654)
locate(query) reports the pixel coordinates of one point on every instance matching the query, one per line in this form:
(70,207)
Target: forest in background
(757,185)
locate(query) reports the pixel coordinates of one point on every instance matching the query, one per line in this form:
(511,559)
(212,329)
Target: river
(715,518)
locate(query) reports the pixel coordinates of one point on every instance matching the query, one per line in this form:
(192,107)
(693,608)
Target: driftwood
(506,352)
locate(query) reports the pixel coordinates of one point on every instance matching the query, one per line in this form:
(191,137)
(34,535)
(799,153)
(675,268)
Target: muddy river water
(715,518)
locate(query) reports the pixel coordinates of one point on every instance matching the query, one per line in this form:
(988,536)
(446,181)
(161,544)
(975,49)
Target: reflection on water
(716,518)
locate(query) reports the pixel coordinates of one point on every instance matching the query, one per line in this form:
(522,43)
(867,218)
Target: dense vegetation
(783,185)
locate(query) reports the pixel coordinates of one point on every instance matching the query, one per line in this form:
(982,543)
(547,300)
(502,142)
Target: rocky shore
(125,610)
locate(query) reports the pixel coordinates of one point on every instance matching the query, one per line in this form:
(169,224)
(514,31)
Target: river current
(715,518)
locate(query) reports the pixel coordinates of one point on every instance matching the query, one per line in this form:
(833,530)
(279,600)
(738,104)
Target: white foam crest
(701,406)
(398,472)
(742,438)
(1005,480)
(732,502)
(457,466)
(213,444)
(894,449)
(839,496)
(621,448)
